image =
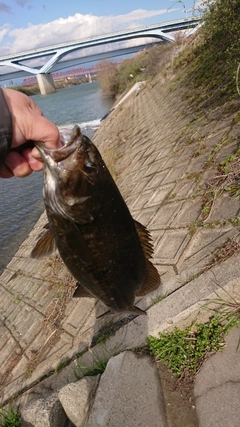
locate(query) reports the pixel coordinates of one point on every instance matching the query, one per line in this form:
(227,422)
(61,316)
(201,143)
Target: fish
(105,250)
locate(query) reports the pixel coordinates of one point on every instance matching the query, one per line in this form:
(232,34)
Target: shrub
(216,56)
(145,64)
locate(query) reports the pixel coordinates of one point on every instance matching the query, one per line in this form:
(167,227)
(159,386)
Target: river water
(21,201)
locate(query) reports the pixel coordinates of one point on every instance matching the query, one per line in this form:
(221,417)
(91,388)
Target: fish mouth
(69,140)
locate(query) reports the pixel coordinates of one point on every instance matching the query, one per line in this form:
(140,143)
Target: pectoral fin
(46,244)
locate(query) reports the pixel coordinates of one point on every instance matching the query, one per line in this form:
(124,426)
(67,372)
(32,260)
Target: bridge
(73,73)
(72,62)
(57,52)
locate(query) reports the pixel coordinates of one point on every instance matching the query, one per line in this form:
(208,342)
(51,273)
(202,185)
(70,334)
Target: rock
(217,386)
(129,394)
(44,412)
(76,399)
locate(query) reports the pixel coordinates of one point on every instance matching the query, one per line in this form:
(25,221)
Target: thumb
(45,131)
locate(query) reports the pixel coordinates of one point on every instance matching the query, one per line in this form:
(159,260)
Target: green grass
(235,221)
(97,367)
(10,417)
(184,350)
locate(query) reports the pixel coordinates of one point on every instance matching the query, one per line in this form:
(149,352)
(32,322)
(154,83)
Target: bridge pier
(46,83)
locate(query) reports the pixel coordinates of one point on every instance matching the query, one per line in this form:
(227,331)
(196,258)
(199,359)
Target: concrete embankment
(165,159)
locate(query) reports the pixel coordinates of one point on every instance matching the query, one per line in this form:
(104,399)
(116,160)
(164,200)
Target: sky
(30,24)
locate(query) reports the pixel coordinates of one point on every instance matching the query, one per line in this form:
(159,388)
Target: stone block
(182,189)
(219,381)
(44,412)
(157,180)
(165,215)
(220,406)
(77,398)
(159,195)
(202,246)
(225,207)
(189,213)
(174,174)
(79,315)
(171,246)
(144,215)
(142,199)
(127,399)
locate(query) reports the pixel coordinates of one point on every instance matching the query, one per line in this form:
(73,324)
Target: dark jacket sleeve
(5,127)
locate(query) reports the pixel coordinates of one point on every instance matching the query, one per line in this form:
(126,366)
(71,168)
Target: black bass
(104,249)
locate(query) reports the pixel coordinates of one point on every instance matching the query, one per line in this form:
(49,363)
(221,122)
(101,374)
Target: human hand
(28,124)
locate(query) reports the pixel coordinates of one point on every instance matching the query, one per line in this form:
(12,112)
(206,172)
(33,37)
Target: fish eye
(89,167)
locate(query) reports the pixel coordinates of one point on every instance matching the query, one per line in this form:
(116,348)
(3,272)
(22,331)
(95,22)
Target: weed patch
(97,367)
(192,228)
(230,248)
(227,179)
(184,351)
(9,417)
(224,141)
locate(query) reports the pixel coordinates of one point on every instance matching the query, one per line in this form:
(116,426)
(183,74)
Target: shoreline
(59,84)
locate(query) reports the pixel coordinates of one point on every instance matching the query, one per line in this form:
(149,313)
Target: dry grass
(230,248)
(227,179)
(63,285)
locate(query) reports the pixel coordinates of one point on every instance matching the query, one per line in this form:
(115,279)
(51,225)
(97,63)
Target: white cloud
(74,27)
(4,30)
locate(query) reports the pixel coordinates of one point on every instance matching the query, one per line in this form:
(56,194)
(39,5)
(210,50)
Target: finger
(36,154)
(5,172)
(17,164)
(35,164)
(44,131)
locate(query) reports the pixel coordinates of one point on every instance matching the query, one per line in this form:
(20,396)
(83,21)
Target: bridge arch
(57,52)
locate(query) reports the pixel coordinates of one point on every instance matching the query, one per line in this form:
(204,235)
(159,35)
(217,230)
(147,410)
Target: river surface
(21,201)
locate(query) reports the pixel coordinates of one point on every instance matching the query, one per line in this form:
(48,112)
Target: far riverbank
(33,89)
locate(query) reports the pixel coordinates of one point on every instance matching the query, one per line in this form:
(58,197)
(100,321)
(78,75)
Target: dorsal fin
(151,281)
(145,239)
(45,245)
